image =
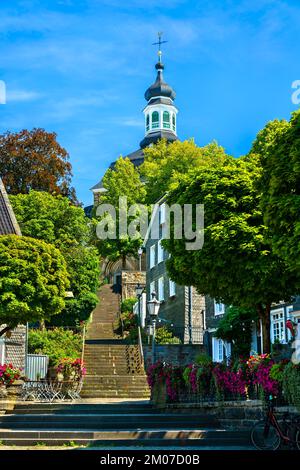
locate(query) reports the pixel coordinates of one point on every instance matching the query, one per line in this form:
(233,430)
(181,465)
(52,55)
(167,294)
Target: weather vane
(159,43)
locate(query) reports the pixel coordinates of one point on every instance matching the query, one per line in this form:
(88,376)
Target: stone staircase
(117,425)
(114,368)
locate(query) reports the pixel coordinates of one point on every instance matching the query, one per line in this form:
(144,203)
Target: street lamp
(140,252)
(153,309)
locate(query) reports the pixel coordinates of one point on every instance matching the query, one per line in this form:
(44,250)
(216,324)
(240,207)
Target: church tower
(160,116)
(160,112)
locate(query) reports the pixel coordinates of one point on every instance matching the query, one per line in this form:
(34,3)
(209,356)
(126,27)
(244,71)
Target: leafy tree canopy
(122,180)
(278,146)
(54,220)
(167,164)
(51,218)
(236,264)
(35,160)
(33,280)
(236,327)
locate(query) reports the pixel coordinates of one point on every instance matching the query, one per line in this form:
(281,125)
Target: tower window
(166,120)
(147,122)
(155,119)
(173,122)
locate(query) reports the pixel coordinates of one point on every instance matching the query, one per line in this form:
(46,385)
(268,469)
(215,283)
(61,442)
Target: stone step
(145,438)
(106,421)
(116,379)
(69,408)
(110,392)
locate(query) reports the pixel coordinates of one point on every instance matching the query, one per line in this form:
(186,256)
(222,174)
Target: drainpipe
(190,316)
(261,337)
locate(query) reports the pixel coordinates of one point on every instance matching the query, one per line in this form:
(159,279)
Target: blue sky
(80,68)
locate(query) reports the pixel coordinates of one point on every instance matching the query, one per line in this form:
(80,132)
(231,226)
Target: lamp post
(140,252)
(153,308)
(139,292)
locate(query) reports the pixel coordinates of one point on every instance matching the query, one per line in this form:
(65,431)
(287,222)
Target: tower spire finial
(159,43)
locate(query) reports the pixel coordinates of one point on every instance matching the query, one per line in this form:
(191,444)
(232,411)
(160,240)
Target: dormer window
(147,122)
(155,120)
(166,120)
(174,122)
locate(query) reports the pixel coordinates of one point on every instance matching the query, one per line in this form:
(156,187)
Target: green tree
(167,164)
(33,280)
(51,218)
(54,220)
(236,264)
(278,146)
(121,181)
(236,328)
(35,160)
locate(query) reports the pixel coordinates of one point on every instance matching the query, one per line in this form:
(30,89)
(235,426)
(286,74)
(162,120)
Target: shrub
(134,334)
(165,336)
(129,320)
(128,304)
(291,384)
(56,344)
(203,360)
(236,327)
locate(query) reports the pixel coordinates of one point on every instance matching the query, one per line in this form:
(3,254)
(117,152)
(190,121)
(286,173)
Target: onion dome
(160,87)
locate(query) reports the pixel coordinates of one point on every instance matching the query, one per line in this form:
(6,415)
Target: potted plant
(10,380)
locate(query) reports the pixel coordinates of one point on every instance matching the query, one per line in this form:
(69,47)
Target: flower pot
(159,394)
(52,373)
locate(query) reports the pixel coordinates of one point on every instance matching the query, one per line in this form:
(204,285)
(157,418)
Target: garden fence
(36,366)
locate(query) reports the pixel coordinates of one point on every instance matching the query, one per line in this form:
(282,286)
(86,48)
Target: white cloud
(131,122)
(64,108)
(21,95)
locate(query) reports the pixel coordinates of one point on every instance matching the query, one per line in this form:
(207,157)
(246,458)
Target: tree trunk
(264,315)
(123,262)
(5,330)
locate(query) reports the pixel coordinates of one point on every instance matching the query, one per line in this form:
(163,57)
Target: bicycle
(269,433)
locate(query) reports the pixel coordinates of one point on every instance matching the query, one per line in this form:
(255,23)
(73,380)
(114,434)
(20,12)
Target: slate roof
(8,221)
(153,137)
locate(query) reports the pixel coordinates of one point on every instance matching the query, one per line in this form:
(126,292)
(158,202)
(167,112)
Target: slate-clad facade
(13,346)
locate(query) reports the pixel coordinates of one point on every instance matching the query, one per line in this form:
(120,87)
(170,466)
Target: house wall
(129,280)
(15,347)
(180,311)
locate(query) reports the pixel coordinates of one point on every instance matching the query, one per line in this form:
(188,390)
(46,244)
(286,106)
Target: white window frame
(151,289)
(280,322)
(160,252)
(2,351)
(217,310)
(217,349)
(172,288)
(161,289)
(289,316)
(152,256)
(162,214)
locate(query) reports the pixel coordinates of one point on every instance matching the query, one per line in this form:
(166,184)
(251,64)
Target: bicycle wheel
(297,439)
(263,440)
